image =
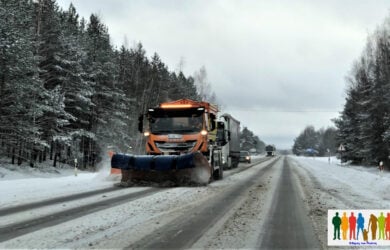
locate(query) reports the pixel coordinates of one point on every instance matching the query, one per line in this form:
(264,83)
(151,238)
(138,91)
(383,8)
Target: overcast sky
(277,66)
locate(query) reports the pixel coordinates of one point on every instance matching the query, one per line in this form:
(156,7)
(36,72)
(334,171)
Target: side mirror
(140,123)
(213,122)
(221,138)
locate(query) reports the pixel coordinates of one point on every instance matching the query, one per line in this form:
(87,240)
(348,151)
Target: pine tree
(158,82)
(250,142)
(76,87)
(364,122)
(107,112)
(22,96)
(307,139)
(380,109)
(52,67)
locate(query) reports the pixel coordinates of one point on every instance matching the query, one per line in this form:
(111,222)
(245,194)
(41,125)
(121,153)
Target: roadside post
(328,150)
(341,149)
(75,167)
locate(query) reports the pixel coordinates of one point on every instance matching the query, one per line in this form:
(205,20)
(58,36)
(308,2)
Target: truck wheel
(218,173)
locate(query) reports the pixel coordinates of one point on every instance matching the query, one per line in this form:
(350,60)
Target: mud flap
(217,166)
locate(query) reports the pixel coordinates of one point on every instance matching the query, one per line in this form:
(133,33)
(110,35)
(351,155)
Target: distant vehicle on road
(311,152)
(245,156)
(270,149)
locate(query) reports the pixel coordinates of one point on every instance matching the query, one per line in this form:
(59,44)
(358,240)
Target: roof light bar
(174,106)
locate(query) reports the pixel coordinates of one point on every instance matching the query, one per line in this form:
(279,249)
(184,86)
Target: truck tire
(217,166)
(218,173)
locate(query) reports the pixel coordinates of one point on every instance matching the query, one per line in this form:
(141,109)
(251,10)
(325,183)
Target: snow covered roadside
(358,187)
(334,186)
(20,185)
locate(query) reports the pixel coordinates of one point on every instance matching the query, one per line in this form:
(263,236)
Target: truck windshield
(175,121)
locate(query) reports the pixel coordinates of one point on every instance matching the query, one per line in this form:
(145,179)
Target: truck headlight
(146,133)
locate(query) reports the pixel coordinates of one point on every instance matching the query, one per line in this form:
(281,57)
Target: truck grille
(175,146)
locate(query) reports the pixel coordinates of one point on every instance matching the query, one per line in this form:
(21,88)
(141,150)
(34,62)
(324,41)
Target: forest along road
(258,205)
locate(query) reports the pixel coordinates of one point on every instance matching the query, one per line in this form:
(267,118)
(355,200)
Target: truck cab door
(221,134)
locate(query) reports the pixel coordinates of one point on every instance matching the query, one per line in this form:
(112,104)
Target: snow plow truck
(184,144)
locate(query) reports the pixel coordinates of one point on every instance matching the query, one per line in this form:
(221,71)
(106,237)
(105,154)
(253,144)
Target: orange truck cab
(179,127)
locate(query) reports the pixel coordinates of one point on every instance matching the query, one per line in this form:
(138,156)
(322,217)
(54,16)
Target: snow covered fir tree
(364,124)
(67,93)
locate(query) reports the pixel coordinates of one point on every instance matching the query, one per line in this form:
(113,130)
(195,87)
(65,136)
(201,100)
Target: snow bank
(44,182)
(363,187)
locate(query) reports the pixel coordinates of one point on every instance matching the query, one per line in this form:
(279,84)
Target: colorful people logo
(381,225)
(336,221)
(373,227)
(360,225)
(388,226)
(365,235)
(352,227)
(344,225)
(373,222)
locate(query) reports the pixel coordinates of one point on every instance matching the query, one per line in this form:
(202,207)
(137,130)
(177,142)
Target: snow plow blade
(192,167)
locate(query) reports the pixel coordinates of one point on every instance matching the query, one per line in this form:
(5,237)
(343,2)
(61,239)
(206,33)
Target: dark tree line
(250,141)
(364,124)
(66,92)
(321,141)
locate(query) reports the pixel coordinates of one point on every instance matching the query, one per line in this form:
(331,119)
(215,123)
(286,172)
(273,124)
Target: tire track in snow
(288,225)
(243,168)
(67,198)
(185,230)
(28,226)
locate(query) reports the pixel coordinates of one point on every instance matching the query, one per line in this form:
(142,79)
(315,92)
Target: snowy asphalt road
(15,209)
(184,231)
(288,225)
(247,209)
